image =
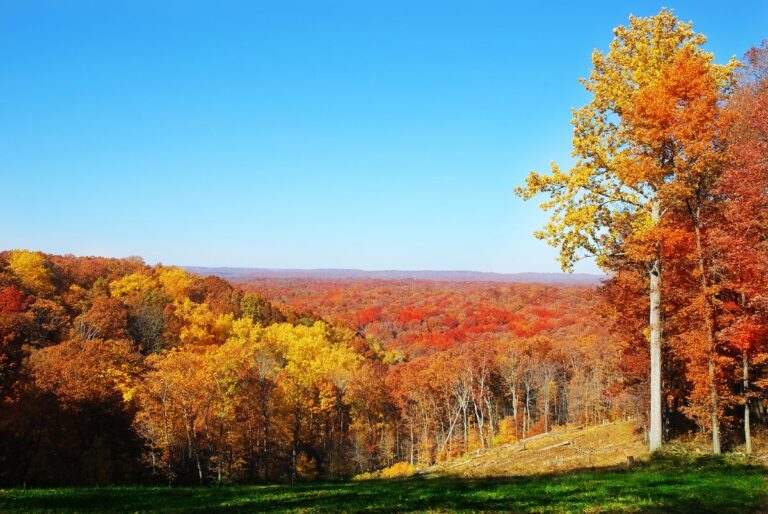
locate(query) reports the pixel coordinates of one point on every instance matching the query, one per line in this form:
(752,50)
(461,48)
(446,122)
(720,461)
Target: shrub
(506,431)
(399,470)
(396,470)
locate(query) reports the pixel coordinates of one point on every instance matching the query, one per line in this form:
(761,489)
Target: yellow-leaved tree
(32,271)
(610,204)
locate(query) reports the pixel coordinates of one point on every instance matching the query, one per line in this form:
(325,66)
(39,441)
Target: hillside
(249,274)
(563,449)
(116,351)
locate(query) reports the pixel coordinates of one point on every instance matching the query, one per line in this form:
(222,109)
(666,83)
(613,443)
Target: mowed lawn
(663,485)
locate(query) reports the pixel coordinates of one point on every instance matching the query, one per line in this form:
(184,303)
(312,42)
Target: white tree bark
(747,435)
(654,433)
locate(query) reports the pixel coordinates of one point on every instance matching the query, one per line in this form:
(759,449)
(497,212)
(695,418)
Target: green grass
(663,485)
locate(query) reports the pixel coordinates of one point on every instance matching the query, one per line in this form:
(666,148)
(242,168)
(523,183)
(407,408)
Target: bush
(399,470)
(396,470)
(506,431)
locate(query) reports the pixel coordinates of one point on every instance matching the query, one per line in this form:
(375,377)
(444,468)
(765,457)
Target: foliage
(217,389)
(396,470)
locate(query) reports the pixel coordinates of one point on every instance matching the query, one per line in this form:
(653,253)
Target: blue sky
(375,135)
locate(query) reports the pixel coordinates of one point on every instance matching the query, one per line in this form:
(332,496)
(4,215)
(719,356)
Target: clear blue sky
(363,134)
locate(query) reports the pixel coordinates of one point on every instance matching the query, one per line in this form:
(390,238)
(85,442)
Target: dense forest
(118,371)
(113,370)
(422,317)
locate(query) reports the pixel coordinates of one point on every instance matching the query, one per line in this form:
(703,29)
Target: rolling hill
(248,274)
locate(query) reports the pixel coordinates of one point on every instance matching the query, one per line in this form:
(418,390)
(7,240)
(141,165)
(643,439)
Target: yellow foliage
(175,281)
(318,362)
(306,467)
(131,284)
(606,197)
(31,270)
(389,357)
(245,332)
(396,470)
(506,431)
(399,470)
(202,326)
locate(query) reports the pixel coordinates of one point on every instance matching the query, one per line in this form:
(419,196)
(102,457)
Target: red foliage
(421,317)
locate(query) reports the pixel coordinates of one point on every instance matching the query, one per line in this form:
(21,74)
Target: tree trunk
(713,406)
(527,413)
(166,435)
(747,435)
(546,410)
(265,442)
(295,447)
(654,434)
(466,427)
(410,426)
(220,456)
(514,409)
(709,323)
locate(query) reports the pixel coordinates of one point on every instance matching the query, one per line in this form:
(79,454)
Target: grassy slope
(563,449)
(587,473)
(661,485)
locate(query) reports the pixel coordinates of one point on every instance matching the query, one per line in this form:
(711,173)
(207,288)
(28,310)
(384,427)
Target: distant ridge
(246,274)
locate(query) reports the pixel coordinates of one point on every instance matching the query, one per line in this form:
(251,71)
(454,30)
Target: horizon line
(387,270)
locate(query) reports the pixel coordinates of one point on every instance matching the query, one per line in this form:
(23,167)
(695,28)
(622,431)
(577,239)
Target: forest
(116,371)
(148,372)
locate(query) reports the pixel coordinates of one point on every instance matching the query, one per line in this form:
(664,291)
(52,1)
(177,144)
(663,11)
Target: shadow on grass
(662,485)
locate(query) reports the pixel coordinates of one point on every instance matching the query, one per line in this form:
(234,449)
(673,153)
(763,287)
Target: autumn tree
(263,359)
(742,238)
(32,270)
(679,114)
(81,370)
(145,299)
(15,326)
(106,318)
(609,205)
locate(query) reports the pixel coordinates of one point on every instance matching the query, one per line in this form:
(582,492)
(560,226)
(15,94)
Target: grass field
(662,485)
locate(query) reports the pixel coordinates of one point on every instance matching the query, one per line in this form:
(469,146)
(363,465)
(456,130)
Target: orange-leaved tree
(679,116)
(608,206)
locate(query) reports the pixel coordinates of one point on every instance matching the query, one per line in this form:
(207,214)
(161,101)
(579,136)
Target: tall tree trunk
(341,429)
(166,434)
(745,387)
(713,406)
(709,323)
(654,434)
(466,426)
(295,445)
(527,413)
(546,408)
(410,426)
(514,409)
(491,428)
(265,441)
(220,456)
(747,435)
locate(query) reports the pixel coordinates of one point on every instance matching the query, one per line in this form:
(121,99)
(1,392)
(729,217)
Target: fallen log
(558,445)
